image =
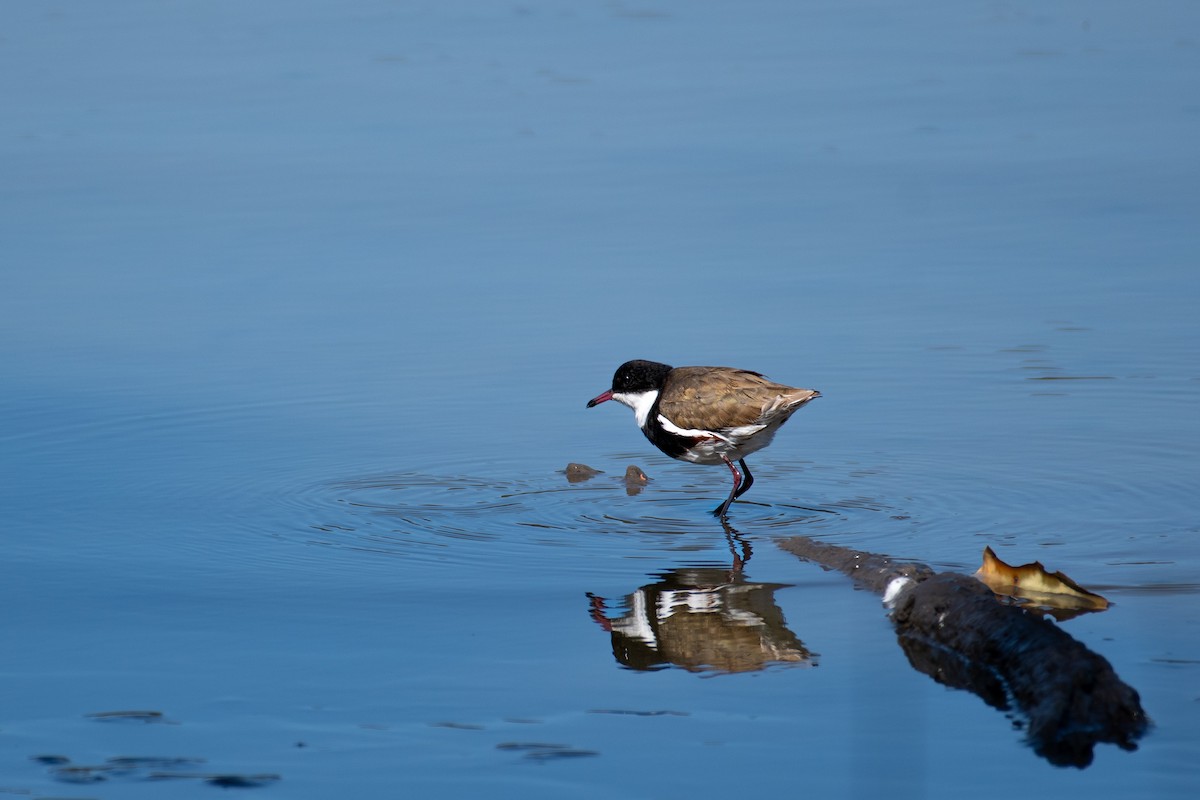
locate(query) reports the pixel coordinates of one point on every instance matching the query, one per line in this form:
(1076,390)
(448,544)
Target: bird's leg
(723,509)
(749,479)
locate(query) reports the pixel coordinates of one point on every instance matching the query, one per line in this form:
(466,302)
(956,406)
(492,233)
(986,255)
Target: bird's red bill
(600,398)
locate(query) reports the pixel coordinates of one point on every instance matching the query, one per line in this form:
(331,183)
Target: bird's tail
(790,401)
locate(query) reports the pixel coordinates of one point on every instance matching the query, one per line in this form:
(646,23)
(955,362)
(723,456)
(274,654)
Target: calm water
(302,302)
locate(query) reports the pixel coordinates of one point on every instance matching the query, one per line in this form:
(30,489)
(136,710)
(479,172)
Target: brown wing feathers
(713,398)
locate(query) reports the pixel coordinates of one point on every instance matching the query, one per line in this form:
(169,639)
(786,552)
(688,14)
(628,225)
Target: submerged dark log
(870,570)
(954,629)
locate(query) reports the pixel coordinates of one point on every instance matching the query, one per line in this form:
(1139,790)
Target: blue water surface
(301,304)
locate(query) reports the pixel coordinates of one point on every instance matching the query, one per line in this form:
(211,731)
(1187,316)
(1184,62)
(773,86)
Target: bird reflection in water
(703,619)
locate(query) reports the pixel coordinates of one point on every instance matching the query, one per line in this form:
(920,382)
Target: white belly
(715,448)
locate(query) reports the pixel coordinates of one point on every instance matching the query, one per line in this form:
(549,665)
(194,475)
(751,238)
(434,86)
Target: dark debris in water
(127,716)
(560,753)
(577,473)
(51,760)
(130,763)
(147,768)
(636,713)
(635,479)
(242,781)
(224,780)
(458,726)
(635,474)
(528,746)
(70,773)
(543,751)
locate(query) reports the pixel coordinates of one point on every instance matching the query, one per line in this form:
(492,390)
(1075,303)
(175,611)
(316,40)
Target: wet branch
(952,628)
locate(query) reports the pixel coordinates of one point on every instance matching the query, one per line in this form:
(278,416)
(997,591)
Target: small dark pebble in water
(460,726)
(635,480)
(634,474)
(580,472)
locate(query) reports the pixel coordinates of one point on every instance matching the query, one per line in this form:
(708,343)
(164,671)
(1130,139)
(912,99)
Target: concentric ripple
(465,518)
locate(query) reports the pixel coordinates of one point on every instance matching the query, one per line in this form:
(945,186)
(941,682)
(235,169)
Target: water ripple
(420,515)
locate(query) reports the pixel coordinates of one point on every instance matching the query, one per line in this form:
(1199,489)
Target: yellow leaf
(1032,582)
